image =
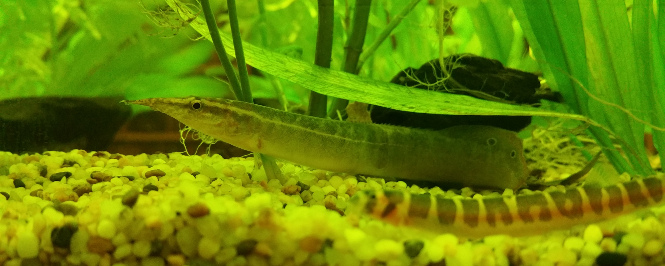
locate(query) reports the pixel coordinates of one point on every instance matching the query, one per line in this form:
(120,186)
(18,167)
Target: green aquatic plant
(606,69)
(607,61)
(97,49)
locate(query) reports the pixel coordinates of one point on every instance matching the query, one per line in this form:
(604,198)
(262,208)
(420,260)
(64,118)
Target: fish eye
(491,141)
(196,105)
(513,154)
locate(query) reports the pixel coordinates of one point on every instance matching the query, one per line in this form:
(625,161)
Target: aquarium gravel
(97,208)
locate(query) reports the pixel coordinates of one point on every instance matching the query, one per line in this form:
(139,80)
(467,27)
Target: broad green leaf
(352,87)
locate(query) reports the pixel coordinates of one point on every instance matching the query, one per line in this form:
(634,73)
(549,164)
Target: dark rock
(413,247)
(246,247)
(147,188)
(18,183)
(130,198)
(62,236)
(611,259)
(471,75)
(59,176)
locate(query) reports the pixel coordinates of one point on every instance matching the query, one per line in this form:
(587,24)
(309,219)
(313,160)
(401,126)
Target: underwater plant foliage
(95,49)
(506,47)
(617,79)
(111,48)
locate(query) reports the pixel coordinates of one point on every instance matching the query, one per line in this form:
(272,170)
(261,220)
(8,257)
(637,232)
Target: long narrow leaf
(356,88)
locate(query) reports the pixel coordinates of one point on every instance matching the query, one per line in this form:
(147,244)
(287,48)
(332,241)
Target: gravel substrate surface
(96,208)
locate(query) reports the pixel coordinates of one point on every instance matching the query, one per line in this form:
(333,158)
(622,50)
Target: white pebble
(141,248)
(106,229)
(387,249)
(591,250)
(574,244)
(318,195)
(341,190)
(351,181)
(336,181)
(122,251)
(608,244)
(653,247)
(152,261)
(116,181)
(354,236)
(208,247)
(328,189)
(593,234)
(27,244)
(308,179)
(634,240)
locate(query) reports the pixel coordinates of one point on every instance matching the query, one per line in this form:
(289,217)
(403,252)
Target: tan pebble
(31,158)
(263,249)
(122,162)
(100,176)
(239,171)
(154,172)
(175,260)
(291,190)
(311,244)
(320,174)
(37,193)
(103,154)
(352,190)
(198,210)
(330,203)
(264,184)
(652,247)
(100,245)
(91,181)
(82,189)
(227,171)
(306,196)
(266,219)
(608,244)
(130,197)
(62,196)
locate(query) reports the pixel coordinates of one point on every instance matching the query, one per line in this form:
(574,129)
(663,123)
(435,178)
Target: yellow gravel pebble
(387,249)
(593,234)
(27,244)
(208,208)
(106,229)
(653,247)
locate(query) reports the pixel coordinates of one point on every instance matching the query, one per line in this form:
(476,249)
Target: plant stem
(353,48)
(385,33)
(317,101)
(240,56)
(263,31)
(221,52)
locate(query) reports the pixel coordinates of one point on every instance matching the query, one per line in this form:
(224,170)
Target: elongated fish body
(478,156)
(514,215)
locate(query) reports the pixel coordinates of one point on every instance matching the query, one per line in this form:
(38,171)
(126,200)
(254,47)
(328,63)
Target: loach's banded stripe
(515,215)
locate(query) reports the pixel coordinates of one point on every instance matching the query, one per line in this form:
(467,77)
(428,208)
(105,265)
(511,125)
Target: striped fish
(516,215)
